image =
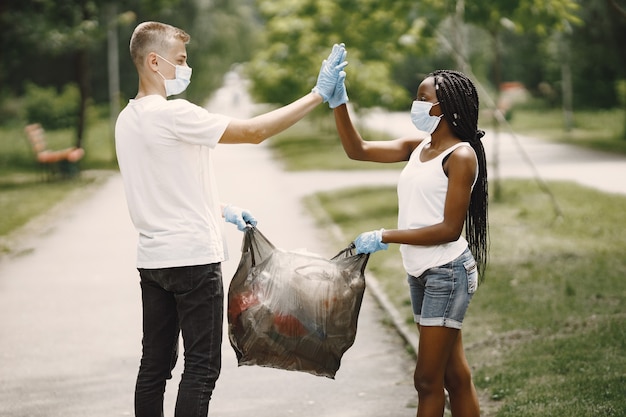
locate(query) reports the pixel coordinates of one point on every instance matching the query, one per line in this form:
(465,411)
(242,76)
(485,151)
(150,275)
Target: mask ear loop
(159,72)
(165,60)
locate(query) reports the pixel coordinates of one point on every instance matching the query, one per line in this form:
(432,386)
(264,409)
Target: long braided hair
(458,99)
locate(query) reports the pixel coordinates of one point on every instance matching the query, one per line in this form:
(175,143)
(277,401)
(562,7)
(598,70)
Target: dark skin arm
(356,148)
(460,168)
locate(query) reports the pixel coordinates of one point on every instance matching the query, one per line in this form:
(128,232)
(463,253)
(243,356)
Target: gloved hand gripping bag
(294,311)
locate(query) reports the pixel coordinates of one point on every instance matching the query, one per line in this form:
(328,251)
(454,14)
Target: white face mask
(421,118)
(178,84)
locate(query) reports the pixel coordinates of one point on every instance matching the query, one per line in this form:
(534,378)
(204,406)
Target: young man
(164,153)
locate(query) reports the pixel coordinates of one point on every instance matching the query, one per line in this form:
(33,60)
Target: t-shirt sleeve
(196,125)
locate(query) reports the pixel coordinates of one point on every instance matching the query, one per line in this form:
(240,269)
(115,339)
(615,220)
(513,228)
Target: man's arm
(259,128)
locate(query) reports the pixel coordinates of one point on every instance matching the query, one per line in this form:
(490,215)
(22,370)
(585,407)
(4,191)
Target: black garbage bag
(291,310)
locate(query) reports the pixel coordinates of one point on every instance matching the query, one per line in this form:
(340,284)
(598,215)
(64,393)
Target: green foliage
(53,110)
(223,34)
(16,156)
(620,86)
(537,16)
(545,17)
(11,110)
(299,35)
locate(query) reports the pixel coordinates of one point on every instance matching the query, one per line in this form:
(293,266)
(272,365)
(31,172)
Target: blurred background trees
(56,45)
(54,65)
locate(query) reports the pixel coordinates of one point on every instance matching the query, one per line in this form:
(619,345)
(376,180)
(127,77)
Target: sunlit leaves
(300,33)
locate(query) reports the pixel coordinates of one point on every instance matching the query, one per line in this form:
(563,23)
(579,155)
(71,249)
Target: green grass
(601,130)
(313,144)
(32,198)
(24,194)
(546,332)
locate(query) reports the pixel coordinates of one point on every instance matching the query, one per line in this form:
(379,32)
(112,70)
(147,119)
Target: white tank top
(422,189)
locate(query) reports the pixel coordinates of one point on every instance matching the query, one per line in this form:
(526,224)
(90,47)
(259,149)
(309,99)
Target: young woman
(442,188)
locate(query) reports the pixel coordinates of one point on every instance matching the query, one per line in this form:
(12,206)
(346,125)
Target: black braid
(458,99)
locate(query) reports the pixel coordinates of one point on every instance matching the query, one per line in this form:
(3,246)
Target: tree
(55,42)
(70,29)
(621,83)
(223,33)
(540,17)
(299,34)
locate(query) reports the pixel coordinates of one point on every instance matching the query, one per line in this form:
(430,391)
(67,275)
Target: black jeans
(188,300)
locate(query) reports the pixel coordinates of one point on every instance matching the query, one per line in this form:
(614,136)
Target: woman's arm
(374,151)
(461,171)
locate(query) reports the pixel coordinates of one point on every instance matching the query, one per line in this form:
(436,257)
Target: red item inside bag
(294,311)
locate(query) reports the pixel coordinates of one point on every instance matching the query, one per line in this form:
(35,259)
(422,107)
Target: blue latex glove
(329,72)
(238,216)
(370,242)
(340,95)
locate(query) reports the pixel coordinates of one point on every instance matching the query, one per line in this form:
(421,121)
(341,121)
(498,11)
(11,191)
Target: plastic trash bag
(291,310)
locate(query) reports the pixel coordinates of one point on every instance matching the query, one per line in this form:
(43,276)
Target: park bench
(53,163)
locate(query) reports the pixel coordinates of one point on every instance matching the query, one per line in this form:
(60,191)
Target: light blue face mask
(421,118)
(178,84)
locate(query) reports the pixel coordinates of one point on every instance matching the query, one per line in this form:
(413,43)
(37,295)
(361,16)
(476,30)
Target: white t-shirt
(164,154)
(422,190)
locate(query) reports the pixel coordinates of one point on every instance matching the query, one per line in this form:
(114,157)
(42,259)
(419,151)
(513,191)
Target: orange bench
(53,162)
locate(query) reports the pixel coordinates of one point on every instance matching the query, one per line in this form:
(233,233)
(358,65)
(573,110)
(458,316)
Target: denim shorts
(441,295)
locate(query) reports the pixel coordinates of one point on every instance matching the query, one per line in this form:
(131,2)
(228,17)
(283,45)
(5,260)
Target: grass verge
(26,202)
(24,195)
(546,331)
(602,130)
(313,144)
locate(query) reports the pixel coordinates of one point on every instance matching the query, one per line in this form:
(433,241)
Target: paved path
(70,302)
(70,316)
(548,161)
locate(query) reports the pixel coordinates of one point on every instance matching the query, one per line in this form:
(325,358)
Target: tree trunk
(459,37)
(566,84)
(82,75)
(82,78)
(497,75)
(113,71)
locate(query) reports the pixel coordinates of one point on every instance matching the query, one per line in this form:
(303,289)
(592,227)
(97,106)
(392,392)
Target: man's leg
(200,311)
(160,346)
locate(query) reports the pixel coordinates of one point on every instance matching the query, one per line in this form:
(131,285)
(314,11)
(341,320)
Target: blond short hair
(153,37)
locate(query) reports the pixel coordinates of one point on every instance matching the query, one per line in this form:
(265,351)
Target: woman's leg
(458,382)
(436,344)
